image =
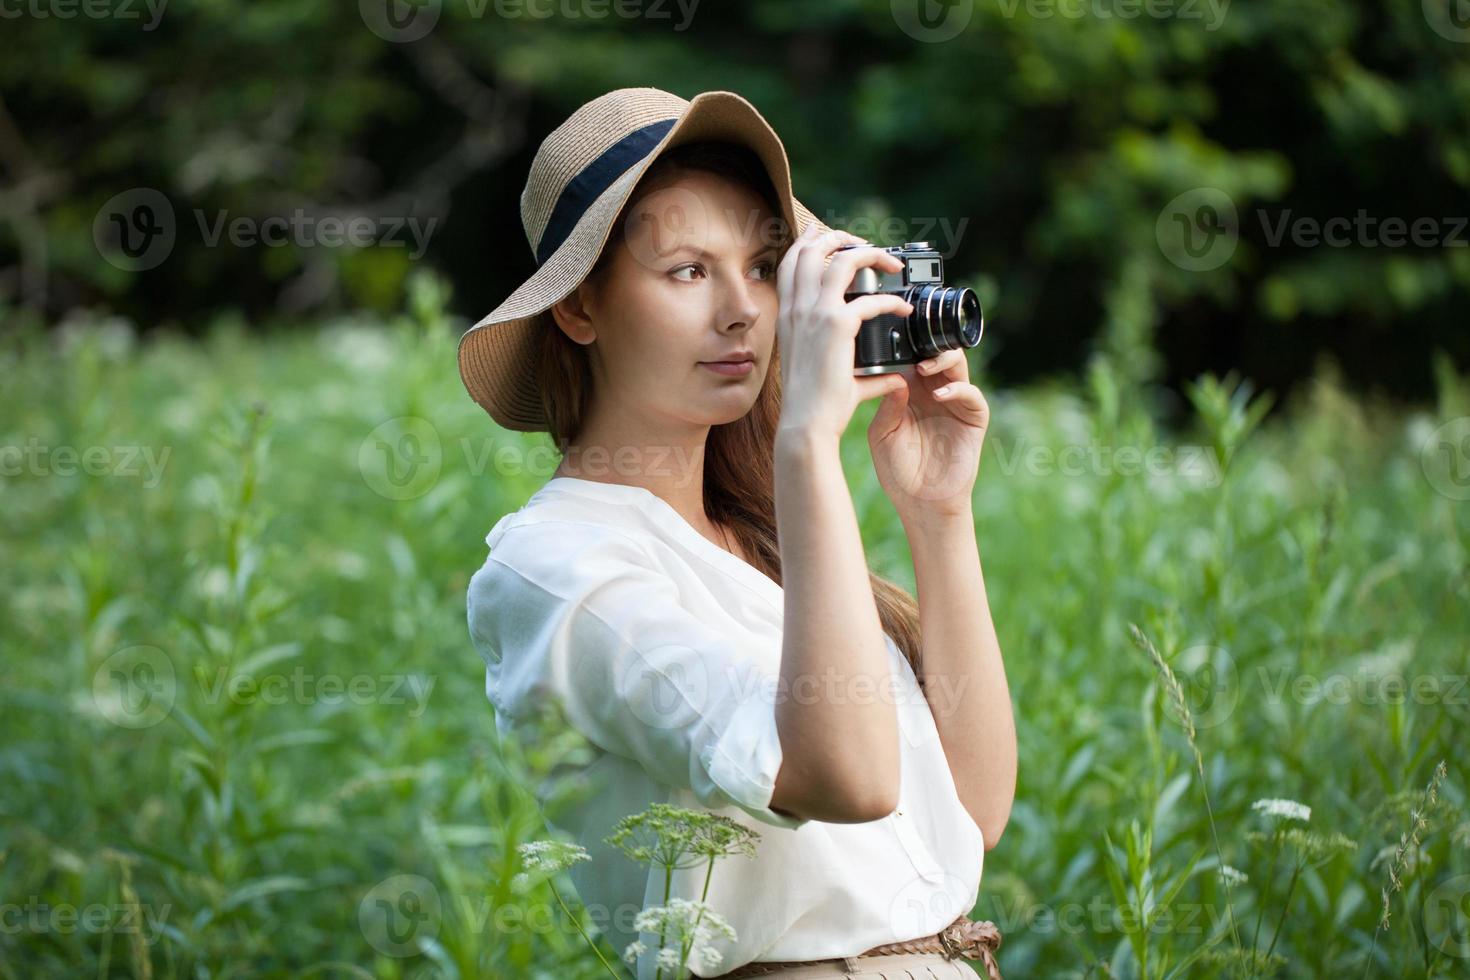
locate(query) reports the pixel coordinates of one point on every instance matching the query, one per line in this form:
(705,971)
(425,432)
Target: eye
(769,269)
(691,267)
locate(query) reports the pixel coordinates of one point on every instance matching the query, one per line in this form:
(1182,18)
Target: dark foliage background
(1048,138)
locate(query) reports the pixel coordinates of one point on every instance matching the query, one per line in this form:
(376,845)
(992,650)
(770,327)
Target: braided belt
(964,937)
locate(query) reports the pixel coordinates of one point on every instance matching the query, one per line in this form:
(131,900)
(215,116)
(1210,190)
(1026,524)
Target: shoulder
(550,515)
(549,579)
(559,546)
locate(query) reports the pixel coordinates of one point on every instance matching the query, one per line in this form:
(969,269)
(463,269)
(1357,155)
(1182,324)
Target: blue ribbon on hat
(595,178)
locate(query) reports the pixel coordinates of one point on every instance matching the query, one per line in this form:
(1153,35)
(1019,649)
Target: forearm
(962,671)
(833,655)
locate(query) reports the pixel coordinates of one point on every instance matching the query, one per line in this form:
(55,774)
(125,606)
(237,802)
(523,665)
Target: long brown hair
(739,458)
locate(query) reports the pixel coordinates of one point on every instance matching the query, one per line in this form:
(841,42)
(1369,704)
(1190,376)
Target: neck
(666,460)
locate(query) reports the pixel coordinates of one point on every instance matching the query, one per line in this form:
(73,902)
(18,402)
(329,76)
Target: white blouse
(664,651)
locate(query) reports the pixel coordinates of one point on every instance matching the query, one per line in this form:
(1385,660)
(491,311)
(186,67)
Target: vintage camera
(944,317)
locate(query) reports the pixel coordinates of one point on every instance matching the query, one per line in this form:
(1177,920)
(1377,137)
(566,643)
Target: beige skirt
(889,966)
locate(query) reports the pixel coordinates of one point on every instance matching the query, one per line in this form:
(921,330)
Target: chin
(722,411)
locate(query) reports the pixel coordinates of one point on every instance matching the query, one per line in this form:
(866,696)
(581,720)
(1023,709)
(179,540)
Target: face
(692,284)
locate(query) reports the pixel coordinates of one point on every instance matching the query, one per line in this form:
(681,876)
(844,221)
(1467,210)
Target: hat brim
(497,354)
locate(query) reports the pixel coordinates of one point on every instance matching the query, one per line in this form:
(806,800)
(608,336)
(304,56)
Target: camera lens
(970,321)
(945,317)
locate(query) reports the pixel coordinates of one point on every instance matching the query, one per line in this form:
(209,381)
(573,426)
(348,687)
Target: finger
(813,259)
(786,269)
(875,304)
(891,410)
(844,265)
(876,385)
(964,401)
(949,365)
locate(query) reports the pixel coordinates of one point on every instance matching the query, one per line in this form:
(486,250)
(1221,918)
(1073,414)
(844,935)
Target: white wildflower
(1232,875)
(1283,809)
(684,923)
(634,950)
(551,856)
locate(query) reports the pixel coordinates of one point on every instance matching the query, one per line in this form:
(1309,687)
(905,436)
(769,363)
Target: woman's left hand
(927,435)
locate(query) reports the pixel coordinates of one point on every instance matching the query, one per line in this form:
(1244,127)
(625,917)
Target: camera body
(944,317)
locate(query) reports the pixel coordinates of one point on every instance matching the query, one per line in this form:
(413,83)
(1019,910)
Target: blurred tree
(1134,180)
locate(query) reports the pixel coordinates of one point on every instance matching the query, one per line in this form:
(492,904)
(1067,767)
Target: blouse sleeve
(586,619)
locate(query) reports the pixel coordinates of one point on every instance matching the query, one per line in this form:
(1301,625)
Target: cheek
(650,328)
(770,310)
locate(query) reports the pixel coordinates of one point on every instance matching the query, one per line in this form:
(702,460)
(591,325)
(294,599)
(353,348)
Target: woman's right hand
(816,331)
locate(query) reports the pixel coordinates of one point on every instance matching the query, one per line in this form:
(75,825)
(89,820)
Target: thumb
(891,409)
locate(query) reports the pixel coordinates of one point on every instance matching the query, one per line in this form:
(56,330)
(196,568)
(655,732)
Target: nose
(739,308)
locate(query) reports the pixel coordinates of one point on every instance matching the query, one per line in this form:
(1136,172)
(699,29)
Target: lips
(739,366)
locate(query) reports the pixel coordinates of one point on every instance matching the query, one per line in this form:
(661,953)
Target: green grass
(259,831)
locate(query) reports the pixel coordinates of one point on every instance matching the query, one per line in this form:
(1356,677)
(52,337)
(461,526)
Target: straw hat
(580,179)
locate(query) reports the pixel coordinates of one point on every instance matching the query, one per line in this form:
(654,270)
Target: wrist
(942,518)
(800,442)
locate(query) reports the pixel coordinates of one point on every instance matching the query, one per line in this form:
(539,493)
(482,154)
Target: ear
(573,317)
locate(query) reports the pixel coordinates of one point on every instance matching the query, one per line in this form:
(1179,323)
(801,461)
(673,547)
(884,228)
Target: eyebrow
(705,254)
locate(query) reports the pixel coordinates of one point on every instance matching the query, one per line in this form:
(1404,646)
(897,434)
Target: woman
(690,587)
